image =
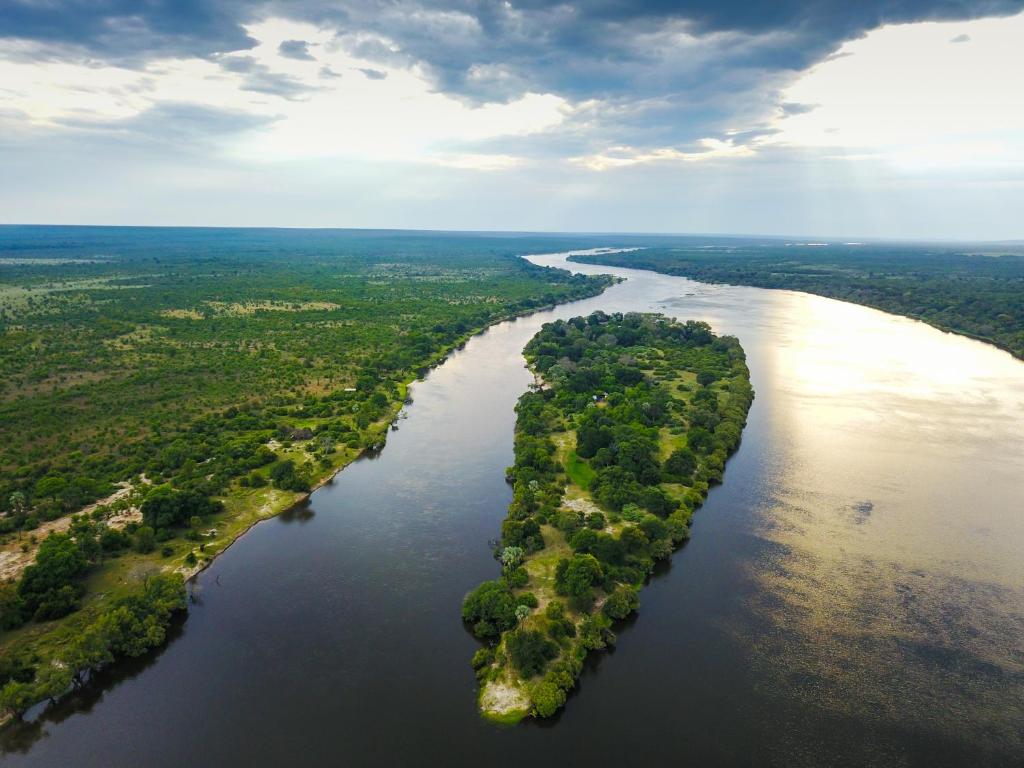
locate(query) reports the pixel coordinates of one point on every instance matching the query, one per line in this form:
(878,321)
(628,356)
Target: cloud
(129,30)
(174,123)
(939,107)
(588,105)
(622,157)
(259,78)
(961,39)
(295,49)
(296,111)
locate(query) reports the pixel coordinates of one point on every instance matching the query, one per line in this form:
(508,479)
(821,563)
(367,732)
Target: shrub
(517,578)
(490,609)
(145,540)
(484,657)
(528,599)
(575,578)
(48,587)
(530,651)
(595,632)
(286,477)
(548,698)
(167,508)
(622,602)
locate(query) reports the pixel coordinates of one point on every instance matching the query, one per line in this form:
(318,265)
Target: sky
(898,119)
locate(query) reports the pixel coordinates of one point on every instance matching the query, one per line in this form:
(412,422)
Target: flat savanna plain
(228,370)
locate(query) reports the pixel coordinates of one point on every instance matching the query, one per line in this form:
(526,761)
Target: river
(852,595)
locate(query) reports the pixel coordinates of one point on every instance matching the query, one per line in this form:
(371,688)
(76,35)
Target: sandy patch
(182,314)
(586,506)
(13,560)
(502,698)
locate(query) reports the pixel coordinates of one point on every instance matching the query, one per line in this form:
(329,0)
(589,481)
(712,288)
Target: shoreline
(577,545)
(378,430)
(574,259)
(191,574)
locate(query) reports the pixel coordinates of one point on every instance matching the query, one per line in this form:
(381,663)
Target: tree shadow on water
(80,699)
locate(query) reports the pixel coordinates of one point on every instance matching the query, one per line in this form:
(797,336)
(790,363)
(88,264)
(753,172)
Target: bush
(490,609)
(167,508)
(113,540)
(528,599)
(286,477)
(145,540)
(484,657)
(622,602)
(48,587)
(12,607)
(595,632)
(517,578)
(57,603)
(547,698)
(575,578)
(558,625)
(530,651)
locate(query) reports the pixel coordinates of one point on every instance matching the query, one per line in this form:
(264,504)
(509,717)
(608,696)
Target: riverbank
(614,452)
(244,506)
(969,295)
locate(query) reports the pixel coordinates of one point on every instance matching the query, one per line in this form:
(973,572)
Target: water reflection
(894,501)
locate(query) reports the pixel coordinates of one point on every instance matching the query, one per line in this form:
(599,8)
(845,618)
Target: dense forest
(632,420)
(162,390)
(975,294)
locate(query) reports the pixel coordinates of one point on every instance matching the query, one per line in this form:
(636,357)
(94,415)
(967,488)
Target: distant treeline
(976,295)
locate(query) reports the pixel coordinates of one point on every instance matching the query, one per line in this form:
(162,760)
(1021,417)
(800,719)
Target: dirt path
(13,560)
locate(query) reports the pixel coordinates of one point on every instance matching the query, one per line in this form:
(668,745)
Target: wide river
(852,595)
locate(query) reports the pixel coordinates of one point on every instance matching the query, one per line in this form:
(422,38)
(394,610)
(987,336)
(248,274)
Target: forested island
(980,295)
(630,423)
(163,391)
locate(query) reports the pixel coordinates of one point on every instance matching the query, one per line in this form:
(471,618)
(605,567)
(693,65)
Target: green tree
(490,609)
(48,587)
(530,651)
(575,577)
(547,699)
(145,539)
(621,602)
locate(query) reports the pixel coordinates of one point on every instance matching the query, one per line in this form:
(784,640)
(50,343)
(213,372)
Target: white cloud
(917,96)
(394,118)
(620,157)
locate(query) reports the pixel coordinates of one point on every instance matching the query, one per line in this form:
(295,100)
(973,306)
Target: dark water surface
(852,595)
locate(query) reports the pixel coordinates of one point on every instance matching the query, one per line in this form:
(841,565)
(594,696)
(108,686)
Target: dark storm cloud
(430,29)
(664,72)
(128,29)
